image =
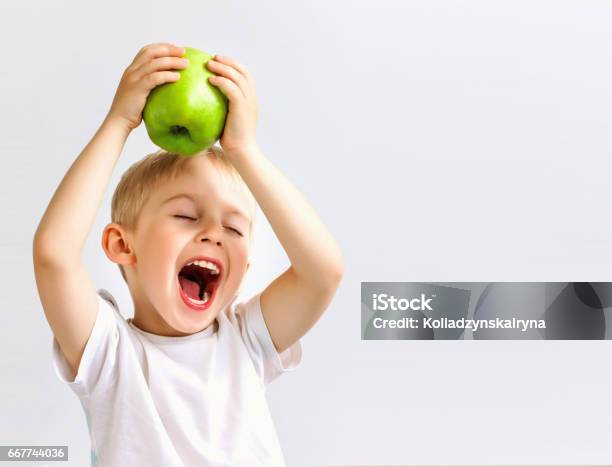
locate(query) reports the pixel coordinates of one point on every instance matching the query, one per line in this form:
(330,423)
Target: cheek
(159,253)
(240,254)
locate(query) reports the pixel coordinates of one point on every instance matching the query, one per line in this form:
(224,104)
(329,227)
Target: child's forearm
(64,227)
(312,250)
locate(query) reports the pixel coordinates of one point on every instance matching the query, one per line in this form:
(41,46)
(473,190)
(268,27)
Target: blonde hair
(142,177)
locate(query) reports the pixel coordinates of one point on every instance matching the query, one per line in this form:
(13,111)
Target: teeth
(200,302)
(206,264)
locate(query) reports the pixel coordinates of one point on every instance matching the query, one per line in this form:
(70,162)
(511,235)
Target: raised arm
(66,291)
(295,300)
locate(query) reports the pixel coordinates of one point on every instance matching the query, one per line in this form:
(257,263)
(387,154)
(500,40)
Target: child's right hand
(150,68)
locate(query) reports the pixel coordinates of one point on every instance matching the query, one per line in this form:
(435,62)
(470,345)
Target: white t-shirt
(197,400)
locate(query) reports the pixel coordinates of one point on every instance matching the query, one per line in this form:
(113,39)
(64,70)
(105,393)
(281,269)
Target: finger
(228,72)
(227,87)
(160,77)
(160,64)
(234,64)
(144,49)
(152,51)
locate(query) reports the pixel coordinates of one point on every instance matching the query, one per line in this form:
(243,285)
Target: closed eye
(178,216)
(234,230)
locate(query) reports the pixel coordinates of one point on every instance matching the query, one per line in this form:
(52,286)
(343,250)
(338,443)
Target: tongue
(191,288)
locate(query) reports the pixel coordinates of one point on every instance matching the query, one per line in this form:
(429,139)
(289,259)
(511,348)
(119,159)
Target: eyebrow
(192,198)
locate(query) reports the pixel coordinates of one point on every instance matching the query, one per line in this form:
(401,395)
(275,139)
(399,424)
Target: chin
(189,322)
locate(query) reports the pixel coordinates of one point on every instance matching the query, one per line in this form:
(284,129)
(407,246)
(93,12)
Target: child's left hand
(235,81)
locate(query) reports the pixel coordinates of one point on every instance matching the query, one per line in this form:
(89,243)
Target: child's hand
(235,81)
(150,68)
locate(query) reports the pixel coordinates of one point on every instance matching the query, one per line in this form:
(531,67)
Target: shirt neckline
(209,330)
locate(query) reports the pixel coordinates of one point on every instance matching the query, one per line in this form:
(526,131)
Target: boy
(182,383)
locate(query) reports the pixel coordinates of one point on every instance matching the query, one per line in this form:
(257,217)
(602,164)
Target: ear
(116,246)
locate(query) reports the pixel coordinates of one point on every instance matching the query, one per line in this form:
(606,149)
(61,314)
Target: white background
(438,141)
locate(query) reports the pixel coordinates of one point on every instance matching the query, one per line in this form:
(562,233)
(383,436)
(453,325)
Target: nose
(211,236)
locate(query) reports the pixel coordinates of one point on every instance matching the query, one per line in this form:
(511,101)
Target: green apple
(188,115)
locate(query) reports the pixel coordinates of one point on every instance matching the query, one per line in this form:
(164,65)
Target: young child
(183,382)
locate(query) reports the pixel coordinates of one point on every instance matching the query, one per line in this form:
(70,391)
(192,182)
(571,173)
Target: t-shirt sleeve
(255,334)
(96,368)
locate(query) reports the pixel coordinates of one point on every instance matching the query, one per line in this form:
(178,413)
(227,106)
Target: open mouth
(199,280)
